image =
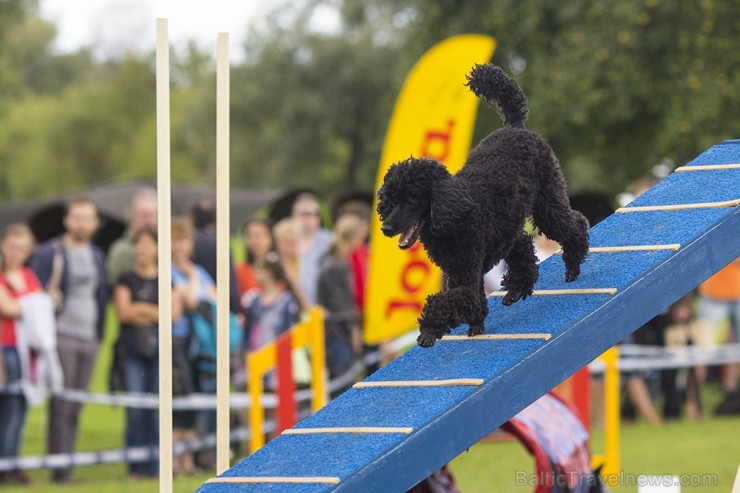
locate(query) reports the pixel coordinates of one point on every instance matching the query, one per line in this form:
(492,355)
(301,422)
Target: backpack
(203,337)
(54,285)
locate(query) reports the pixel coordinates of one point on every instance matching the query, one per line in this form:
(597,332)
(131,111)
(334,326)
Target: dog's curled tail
(491,84)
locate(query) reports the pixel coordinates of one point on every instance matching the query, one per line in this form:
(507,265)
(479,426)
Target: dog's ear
(451,209)
(382,206)
(385,205)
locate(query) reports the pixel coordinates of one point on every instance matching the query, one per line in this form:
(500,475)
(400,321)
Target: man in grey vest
(72,270)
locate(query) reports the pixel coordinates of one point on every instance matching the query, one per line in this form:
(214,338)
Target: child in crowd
(271,310)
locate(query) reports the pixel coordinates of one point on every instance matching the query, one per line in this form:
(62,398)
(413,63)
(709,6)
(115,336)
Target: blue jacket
(41,263)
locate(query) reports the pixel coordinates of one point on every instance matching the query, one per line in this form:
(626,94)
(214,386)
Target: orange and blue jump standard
(278,355)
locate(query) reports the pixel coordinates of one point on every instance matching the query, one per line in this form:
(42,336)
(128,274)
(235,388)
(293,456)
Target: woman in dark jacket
(343,333)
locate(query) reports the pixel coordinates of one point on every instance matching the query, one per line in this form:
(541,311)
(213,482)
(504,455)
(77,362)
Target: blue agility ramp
(424,409)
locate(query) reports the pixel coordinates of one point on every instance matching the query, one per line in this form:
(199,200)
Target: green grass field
(708,447)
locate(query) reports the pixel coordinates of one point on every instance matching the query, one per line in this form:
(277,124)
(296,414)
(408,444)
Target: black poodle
(469,221)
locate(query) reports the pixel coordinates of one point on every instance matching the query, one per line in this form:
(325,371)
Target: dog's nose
(386,229)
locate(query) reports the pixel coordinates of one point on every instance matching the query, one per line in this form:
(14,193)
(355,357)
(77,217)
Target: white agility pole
(222,253)
(164,215)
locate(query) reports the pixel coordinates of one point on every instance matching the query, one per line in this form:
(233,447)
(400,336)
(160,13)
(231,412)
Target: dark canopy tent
(44,216)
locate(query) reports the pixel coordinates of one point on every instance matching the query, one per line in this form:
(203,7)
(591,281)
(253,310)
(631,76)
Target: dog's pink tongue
(406,236)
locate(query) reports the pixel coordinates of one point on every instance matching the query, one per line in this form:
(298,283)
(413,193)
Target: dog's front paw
(513,295)
(475,330)
(426,339)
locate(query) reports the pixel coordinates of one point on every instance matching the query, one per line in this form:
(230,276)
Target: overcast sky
(116,25)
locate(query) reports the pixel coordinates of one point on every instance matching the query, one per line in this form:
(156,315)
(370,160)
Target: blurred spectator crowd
(290,267)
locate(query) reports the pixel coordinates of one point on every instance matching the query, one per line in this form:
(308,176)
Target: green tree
(72,121)
(311,106)
(615,86)
(81,136)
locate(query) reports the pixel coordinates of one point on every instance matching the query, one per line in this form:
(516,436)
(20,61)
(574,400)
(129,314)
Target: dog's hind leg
(554,217)
(569,228)
(575,248)
(523,271)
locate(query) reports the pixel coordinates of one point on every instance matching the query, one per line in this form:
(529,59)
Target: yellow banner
(433,117)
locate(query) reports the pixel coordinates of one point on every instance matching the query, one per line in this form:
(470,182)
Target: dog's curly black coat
(469,221)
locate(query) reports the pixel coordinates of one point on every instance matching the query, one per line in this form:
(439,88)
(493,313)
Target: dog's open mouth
(409,237)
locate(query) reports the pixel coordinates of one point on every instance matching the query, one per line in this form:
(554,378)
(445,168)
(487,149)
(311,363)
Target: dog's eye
(413,203)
